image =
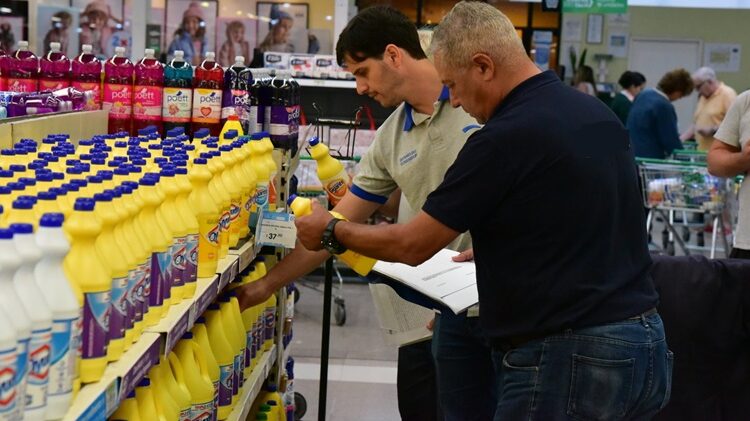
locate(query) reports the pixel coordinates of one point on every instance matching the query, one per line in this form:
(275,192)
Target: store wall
(708,25)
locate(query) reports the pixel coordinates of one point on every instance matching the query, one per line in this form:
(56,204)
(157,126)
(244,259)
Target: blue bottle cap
(200,160)
(181,170)
(223,298)
(167,173)
(80,183)
(6,174)
(85,157)
(5,190)
(115,192)
(58,176)
(84,204)
(225,148)
(95,179)
(103,197)
(145,382)
(6,233)
(7,152)
(313,141)
(147,181)
(256,136)
(213,306)
(46,195)
(230,134)
(52,220)
(105,174)
(27,181)
(58,191)
(291,199)
(187,335)
(125,189)
(161,160)
(98,161)
(15,185)
(46,177)
(23,204)
(22,228)
(74,170)
(201,319)
(17,168)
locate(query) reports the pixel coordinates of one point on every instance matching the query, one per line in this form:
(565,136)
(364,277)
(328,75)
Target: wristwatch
(329,241)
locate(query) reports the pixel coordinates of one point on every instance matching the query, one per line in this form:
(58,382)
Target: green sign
(595,6)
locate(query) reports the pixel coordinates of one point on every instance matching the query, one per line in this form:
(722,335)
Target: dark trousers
(415,384)
(739,254)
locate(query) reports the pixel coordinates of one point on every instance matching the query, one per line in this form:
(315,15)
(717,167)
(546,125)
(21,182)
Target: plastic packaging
(331,172)
(207,214)
(235,99)
(195,372)
(178,94)
(54,69)
(118,92)
(208,84)
(23,70)
(87,77)
(147,95)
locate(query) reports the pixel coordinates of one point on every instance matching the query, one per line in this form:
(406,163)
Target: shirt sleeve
(373,181)
(729,130)
(473,186)
(666,120)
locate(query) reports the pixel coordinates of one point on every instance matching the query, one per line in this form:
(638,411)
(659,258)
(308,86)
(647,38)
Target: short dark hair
(678,80)
(368,33)
(630,79)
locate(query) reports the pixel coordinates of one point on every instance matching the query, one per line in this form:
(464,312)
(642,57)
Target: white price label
(276,229)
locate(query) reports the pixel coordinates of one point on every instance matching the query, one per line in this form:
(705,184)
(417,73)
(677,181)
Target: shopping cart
(671,186)
(688,155)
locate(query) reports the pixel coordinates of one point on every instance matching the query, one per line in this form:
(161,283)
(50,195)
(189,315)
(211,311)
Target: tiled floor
(362,367)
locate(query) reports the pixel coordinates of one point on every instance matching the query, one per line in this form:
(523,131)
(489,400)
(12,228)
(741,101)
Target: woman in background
(584,80)
(191,35)
(58,32)
(632,84)
(277,39)
(235,44)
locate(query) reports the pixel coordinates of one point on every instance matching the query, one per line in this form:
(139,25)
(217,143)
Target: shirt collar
(627,95)
(661,93)
(409,122)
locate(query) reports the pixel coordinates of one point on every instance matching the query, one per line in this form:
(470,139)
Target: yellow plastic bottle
(179,374)
(275,402)
(190,270)
(207,213)
(46,203)
(128,410)
(272,169)
(331,172)
(160,246)
(126,246)
(195,372)
(200,334)
(221,198)
(225,191)
(22,212)
(359,263)
(236,335)
(233,123)
(176,225)
(166,261)
(247,174)
(165,403)
(147,409)
(234,186)
(263,173)
(181,397)
(224,353)
(110,253)
(95,283)
(269,322)
(140,288)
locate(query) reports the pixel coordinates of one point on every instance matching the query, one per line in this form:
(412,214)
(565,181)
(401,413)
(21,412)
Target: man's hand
(706,131)
(310,228)
(254,293)
(464,256)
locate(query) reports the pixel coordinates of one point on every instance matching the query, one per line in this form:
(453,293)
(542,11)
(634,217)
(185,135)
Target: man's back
(652,124)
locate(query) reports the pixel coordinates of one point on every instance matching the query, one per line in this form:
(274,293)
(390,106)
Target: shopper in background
(412,150)
(714,99)
(190,37)
(95,28)
(652,122)
(235,44)
(632,84)
(569,304)
(729,157)
(58,31)
(584,80)
(279,30)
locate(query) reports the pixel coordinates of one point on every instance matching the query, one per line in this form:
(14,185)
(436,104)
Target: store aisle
(362,368)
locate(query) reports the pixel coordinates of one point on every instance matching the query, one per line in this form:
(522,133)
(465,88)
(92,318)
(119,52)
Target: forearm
(390,243)
(299,262)
(727,164)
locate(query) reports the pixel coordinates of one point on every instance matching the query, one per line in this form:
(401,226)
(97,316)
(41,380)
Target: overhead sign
(595,6)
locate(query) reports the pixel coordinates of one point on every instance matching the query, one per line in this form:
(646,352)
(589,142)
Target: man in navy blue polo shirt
(548,191)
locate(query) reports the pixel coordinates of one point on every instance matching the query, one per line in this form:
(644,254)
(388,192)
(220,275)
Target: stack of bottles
(102,239)
(270,405)
(148,93)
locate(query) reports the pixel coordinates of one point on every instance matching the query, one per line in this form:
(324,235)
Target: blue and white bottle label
(39,359)
(62,363)
(8,390)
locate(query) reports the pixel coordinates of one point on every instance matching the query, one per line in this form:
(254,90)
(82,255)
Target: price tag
(276,229)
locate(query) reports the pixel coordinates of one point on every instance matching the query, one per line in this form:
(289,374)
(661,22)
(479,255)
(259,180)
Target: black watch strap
(329,240)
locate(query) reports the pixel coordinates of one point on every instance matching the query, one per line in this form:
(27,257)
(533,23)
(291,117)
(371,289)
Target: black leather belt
(506,344)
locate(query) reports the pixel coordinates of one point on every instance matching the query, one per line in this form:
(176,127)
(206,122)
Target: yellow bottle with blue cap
(207,213)
(359,263)
(331,172)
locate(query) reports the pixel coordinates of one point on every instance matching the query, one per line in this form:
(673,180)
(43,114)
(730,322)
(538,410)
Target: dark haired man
(412,150)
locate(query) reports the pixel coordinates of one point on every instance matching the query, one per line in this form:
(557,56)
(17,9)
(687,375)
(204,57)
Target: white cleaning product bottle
(41,321)
(56,289)
(8,364)
(11,303)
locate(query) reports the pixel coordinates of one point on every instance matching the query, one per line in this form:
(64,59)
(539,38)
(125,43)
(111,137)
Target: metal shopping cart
(671,186)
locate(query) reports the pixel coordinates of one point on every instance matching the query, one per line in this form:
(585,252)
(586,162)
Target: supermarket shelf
(100,398)
(245,253)
(327,83)
(253,384)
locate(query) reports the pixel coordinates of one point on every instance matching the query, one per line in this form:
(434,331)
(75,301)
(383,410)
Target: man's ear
(392,55)
(484,66)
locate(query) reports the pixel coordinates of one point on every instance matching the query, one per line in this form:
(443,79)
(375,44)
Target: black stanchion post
(325,339)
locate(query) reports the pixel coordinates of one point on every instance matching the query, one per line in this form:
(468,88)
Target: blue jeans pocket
(670,366)
(600,389)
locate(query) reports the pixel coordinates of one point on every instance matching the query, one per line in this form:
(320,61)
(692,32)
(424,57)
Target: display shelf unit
(99,400)
(253,385)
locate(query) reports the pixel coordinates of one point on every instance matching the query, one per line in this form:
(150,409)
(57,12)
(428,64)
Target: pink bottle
(23,72)
(208,83)
(54,69)
(4,59)
(118,91)
(147,95)
(87,76)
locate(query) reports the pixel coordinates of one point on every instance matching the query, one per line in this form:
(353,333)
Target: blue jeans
(463,363)
(616,371)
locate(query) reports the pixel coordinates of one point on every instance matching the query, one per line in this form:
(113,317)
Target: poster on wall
(595,6)
(190,27)
(235,37)
(57,24)
(282,27)
(542,42)
(102,26)
(722,57)
(13,23)
(572,28)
